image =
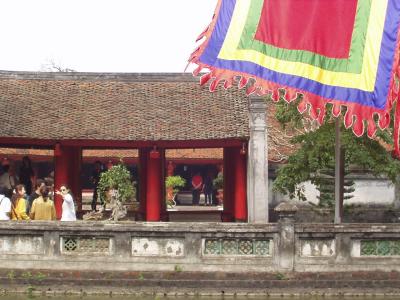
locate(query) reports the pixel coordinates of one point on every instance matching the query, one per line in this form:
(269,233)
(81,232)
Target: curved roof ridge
(102,76)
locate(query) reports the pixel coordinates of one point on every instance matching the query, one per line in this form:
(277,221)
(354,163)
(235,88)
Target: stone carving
(317,248)
(157,247)
(258,120)
(118,209)
(94,215)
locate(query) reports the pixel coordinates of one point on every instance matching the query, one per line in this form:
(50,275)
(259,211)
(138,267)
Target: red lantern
(155,154)
(243,150)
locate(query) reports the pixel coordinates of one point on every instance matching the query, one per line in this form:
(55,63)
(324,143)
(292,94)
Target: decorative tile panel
(212,247)
(317,248)
(239,247)
(229,247)
(85,245)
(380,248)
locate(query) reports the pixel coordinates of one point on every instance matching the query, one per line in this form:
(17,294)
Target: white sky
(101,35)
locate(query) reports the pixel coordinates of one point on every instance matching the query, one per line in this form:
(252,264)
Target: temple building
(161,124)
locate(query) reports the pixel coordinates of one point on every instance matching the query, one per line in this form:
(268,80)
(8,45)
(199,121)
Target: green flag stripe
(351,65)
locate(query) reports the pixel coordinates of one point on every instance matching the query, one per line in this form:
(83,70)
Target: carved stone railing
(274,247)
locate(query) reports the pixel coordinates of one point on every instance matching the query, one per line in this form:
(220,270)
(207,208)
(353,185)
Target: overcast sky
(101,35)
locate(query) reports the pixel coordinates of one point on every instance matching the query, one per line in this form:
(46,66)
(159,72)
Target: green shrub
(175,182)
(118,178)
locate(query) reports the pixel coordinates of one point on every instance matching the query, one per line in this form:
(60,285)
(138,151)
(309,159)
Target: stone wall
(369,191)
(133,246)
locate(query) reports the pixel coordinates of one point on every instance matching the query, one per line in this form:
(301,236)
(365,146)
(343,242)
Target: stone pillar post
(286,243)
(257,166)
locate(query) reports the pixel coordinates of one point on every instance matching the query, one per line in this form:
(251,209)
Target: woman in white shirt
(5,206)
(68,206)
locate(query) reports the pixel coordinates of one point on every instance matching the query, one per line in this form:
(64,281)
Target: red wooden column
(154,186)
(240,198)
(74,174)
(67,170)
(229,181)
(143,160)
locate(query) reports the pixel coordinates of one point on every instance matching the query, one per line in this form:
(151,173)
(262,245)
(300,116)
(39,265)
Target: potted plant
(218,184)
(115,186)
(173,184)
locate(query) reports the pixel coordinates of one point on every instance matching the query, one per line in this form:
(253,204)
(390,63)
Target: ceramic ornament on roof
(343,52)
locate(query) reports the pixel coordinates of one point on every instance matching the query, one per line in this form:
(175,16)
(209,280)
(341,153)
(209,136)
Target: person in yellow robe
(42,207)
(18,205)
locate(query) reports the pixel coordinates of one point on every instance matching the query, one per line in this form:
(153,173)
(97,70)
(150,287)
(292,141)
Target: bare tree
(52,66)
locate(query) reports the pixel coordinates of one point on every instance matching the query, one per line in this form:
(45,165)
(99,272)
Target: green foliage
(119,178)
(178,268)
(11,275)
(326,187)
(218,182)
(175,182)
(280,276)
(316,152)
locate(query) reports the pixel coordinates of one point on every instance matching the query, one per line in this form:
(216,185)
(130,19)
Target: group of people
(199,186)
(19,202)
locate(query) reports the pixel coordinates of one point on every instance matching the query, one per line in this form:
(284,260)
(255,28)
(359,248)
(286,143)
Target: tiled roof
(144,107)
(123,107)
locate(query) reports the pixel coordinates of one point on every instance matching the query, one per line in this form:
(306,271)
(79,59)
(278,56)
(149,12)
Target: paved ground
(179,213)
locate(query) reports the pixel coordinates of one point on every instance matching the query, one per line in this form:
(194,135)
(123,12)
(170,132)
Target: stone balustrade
(228,247)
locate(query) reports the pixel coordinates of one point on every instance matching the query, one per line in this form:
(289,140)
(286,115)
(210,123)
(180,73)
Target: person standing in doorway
(197,185)
(208,190)
(26,174)
(7,181)
(96,174)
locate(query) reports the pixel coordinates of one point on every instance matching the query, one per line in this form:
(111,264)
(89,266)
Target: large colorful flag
(343,52)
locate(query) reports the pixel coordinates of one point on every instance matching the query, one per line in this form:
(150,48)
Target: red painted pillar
(74,174)
(67,170)
(143,160)
(60,175)
(240,197)
(229,181)
(154,187)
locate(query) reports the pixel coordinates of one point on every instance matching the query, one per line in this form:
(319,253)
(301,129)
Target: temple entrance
(187,172)
(195,166)
(97,161)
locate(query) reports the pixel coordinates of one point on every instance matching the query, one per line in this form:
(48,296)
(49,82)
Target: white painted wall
(367,191)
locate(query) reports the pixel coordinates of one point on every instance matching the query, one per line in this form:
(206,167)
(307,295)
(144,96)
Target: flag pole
(339,173)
